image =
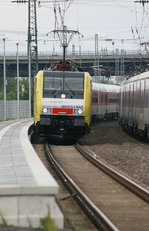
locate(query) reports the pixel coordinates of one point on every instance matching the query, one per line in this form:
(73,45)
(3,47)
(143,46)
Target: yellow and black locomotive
(62,101)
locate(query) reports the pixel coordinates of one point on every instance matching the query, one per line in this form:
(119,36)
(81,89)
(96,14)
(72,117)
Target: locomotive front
(62,103)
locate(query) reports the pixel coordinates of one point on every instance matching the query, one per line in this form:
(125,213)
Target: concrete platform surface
(13,228)
(26,188)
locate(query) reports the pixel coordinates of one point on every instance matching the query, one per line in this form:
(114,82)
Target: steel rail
(126,182)
(94,213)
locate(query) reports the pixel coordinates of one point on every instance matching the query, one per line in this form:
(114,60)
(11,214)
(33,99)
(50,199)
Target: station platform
(27,190)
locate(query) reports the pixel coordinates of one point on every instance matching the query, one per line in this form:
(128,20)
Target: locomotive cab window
(75,84)
(53,83)
(58,83)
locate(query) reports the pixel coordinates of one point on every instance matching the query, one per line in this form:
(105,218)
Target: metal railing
(84,54)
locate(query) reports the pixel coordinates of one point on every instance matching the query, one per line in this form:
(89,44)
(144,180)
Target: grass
(4,222)
(48,223)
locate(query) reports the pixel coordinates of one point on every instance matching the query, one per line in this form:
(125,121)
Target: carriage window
(94,97)
(113,100)
(101,98)
(106,98)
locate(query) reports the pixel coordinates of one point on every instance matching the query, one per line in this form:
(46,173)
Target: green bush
(11,89)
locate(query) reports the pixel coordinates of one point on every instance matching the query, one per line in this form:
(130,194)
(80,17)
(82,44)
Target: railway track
(114,203)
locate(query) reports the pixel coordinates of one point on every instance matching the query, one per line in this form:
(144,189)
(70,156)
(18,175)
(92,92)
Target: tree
(24,89)
(12,89)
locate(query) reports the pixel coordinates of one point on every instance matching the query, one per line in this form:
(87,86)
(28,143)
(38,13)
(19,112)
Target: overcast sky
(117,20)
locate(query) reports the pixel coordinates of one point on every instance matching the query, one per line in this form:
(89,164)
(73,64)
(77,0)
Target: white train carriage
(98,98)
(134,104)
(112,100)
(105,101)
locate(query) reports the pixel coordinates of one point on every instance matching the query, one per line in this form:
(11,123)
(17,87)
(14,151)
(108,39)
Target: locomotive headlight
(45,110)
(80,111)
(63,96)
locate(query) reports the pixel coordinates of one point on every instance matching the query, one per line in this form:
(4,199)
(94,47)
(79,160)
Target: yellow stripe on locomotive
(38,94)
(87,98)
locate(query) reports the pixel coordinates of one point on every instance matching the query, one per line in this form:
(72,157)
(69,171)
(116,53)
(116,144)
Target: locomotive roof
(63,65)
(63,73)
(144,75)
(106,87)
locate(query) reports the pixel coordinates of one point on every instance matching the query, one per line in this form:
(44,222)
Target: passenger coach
(134,104)
(105,101)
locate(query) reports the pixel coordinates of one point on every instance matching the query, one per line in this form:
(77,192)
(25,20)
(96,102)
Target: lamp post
(29,78)
(80,55)
(5,81)
(18,84)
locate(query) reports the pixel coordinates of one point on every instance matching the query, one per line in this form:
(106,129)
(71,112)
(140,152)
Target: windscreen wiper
(70,89)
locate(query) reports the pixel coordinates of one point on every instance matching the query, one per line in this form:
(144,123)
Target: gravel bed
(119,149)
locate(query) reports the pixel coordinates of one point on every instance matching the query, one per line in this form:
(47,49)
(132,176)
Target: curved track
(126,182)
(124,210)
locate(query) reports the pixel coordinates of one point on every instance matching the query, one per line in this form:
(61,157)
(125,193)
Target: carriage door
(94,102)
(130,106)
(133,104)
(141,105)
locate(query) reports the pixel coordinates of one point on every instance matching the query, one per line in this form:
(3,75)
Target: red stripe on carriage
(62,110)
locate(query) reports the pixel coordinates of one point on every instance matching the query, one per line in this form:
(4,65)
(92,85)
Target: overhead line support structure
(32,36)
(32,46)
(62,35)
(96,68)
(32,31)
(141,1)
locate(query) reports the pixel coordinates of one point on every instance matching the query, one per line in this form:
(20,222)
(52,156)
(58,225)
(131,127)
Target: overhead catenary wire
(137,30)
(121,3)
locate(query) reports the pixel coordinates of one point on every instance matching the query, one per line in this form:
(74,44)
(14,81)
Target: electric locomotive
(62,101)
